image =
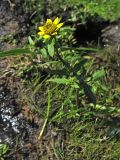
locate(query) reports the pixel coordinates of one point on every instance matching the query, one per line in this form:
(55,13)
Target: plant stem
(66,64)
(47,116)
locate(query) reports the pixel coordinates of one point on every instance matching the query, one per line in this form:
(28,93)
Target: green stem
(47,116)
(66,64)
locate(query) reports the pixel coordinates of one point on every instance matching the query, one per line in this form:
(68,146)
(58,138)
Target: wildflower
(50,28)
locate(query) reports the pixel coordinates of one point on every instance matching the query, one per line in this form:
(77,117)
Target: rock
(111,35)
(13,21)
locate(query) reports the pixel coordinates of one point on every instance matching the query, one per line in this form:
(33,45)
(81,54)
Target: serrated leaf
(98,74)
(15,52)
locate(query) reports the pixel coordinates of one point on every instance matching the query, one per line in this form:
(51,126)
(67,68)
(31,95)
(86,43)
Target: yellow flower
(50,28)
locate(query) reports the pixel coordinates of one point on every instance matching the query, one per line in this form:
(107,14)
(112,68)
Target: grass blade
(14,52)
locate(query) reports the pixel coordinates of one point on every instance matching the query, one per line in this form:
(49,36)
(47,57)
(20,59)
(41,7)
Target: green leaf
(67,29)
(79,49)
(59,72)
(51,47)
(44,53)
(59,80)
(75,85)
(88,92)
(78,66)
(98,74)
(15,52)
(30,40)
(3,149)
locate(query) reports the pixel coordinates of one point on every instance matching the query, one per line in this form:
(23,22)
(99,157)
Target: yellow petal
(41,28)
(49,21)
(56,21)
(54,33)
(59,26)
(40,33)
(46,36)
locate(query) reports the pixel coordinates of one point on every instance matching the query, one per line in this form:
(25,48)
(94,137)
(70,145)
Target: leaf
(98,74)
(79,49)
(59,72)
(15,52)
(67,29)
(78,66)
(44,52)
(30,40)
(88,92)
(51,47)
(75,85)
(59,80)
(3,149)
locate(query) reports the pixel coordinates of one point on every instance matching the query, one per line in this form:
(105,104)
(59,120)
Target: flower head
(50,28)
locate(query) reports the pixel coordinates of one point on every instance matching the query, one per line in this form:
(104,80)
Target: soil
(16,129)
(19,132)
(14,23)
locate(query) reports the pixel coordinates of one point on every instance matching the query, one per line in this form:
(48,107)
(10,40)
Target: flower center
(49,28)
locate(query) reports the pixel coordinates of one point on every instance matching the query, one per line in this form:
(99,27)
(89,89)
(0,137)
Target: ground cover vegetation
(73,90)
